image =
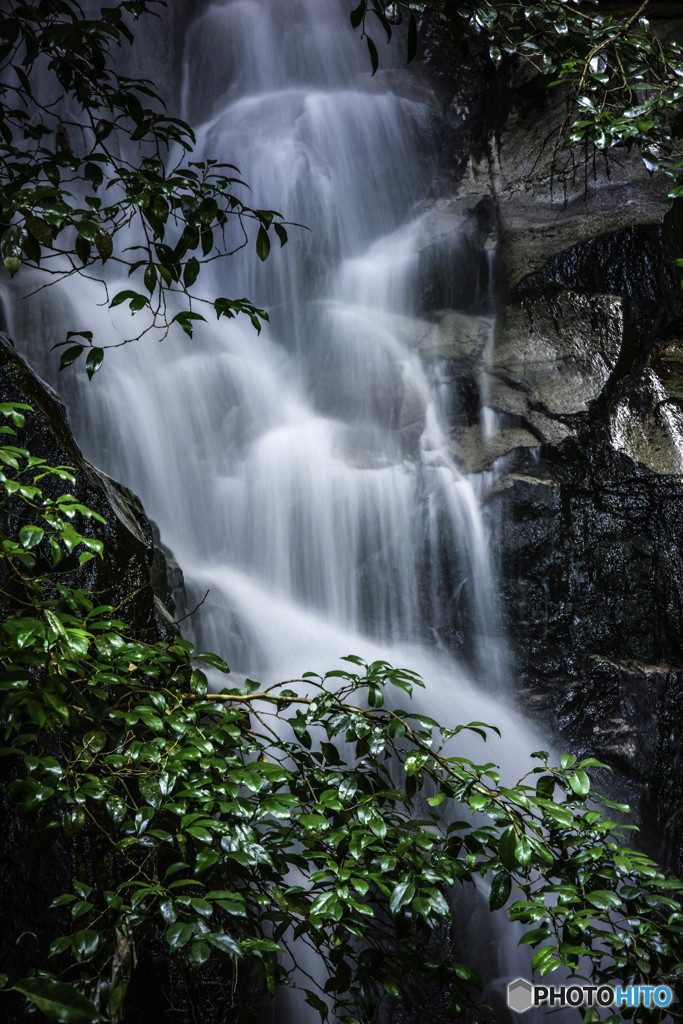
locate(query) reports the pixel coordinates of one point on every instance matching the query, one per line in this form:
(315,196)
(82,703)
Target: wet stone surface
(576,409)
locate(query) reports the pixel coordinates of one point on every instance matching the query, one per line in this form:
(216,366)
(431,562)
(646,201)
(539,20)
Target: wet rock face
(588,521)
(554,354)
(591,564)
(575,403)
(590,597)
(591,558)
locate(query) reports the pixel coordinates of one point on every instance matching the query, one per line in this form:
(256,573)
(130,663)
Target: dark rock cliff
(570,397)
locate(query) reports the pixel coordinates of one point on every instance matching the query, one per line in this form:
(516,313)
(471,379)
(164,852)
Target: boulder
(553,356)
(592,595)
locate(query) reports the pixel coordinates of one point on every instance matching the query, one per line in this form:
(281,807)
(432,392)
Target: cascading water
(304,476)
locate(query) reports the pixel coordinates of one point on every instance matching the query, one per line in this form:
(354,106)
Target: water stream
(304,477)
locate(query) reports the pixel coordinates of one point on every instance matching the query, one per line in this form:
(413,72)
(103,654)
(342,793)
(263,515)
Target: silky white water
(304,476)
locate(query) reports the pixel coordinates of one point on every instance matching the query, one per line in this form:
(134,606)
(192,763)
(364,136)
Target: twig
(195,609)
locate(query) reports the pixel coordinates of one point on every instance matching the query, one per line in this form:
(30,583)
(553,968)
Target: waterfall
(304,477)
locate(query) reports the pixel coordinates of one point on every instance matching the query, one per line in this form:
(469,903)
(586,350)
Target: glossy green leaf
(214,661)
(30,536)
(499,891)
(58,1000)
(198,953)
(93,361)
(178,934)
(70,356)
(580,783)
(262,243)
(401,896)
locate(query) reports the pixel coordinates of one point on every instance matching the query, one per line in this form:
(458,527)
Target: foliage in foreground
(243,823)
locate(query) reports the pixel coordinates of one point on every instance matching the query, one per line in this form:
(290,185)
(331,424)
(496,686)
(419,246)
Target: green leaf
(168,911)
(178,934)
(378,827)
(535,936)
(402,895)
(70,356)
(506,848)
(262,243)
(30,536)
(580,783)
(545,960)
(198,682)
(104,244)
(191,272)
(86,335)
(479,800)
(224,942)
(317,1003)
(523,852)
(412,38)
(87,229)
(93,361)
(85,943)
(102,129)
(185,318)
(202,906)
(150,277)
(374,59)
(40,229)
(198,953)
(603,899)
(545,787)
(124,296)
(214,661)
(261,946)
(466,974)
(83,249)
(375,695)
(59,1001)
(499,892)
(358,14)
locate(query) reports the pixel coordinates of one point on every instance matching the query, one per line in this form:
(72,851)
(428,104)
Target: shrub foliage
(245,822)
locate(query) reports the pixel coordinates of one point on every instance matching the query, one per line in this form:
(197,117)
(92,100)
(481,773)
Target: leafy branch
(237,825)
(623,82)
(112,183)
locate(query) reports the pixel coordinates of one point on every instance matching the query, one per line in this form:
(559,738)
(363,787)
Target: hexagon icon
(519,995)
